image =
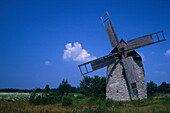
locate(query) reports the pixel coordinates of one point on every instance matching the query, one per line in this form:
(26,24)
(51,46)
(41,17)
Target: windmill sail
(145,40)
(111,34)
(110,30)
(98,63)
(130,72)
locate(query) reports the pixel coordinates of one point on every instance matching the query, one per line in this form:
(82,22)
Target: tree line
(38,90)
(153,89)
(91,85)
(94,87)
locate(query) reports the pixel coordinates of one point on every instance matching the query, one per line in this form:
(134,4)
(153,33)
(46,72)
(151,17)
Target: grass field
(14,96)
(87,105)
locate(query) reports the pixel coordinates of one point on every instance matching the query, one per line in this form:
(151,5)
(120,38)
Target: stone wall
(116,87)
(116,84)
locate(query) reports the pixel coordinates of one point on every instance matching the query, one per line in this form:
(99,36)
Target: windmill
(125,78)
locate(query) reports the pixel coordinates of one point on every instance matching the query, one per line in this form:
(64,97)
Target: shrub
(151,89)
(66,101)
(80,97)
(51,100)
(65,94)
(37,100)
(44,99)
(98,97)
(58,98)
(71,95)
(31,99)
(108,103)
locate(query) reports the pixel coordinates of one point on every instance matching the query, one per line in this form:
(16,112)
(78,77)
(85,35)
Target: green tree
(163,88)
(93,86)
(64,87)
(85,86)
(51,100)
(151,89)
(99,87)
(47,88)
(66,101)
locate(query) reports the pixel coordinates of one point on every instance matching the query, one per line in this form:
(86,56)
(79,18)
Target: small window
(133,85)
(117,91)
(134,90)
(123,72)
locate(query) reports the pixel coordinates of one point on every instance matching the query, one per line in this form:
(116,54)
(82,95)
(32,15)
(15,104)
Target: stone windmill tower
(125,78)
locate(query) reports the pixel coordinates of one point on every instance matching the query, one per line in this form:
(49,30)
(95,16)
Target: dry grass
(25,107)
(155,105)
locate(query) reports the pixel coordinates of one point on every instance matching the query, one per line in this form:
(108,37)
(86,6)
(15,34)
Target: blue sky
(34,33)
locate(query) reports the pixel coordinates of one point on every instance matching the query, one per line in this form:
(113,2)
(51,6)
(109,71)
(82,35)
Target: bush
(108,102)
(66,101)
(37,100)
(31,99)
(80,97)
(98,97)
(44,99)
(51,100)
(58,98)
(65,94)
(151,89)
(71,95)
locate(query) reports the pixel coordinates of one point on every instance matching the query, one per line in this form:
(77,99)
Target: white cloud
(76,53)
(167,52)
(47,62)
(142,55)
(161,72)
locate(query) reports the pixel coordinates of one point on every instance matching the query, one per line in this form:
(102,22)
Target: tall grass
(82,104)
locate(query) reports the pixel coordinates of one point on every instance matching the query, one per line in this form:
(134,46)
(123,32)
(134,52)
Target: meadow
(18,103)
